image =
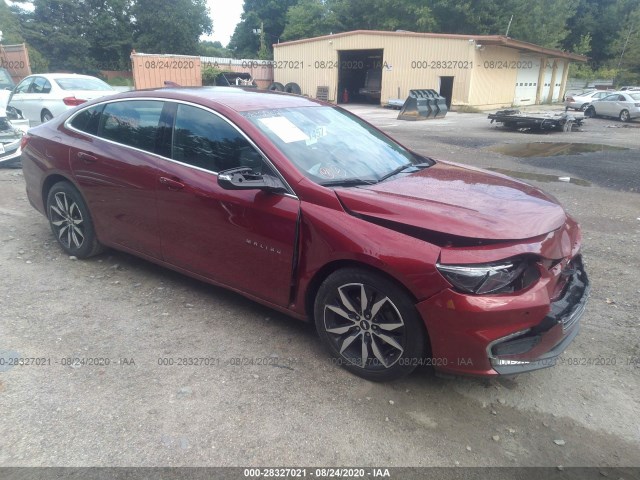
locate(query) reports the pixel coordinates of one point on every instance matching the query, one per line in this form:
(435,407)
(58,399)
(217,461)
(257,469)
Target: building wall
(408,63)
(485,76)
(494,77)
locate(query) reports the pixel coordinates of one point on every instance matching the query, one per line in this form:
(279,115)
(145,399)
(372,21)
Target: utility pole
(509,26)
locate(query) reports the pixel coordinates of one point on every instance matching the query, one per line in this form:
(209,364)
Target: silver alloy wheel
(67,219)
(46,116)
(624,116)
(365,327)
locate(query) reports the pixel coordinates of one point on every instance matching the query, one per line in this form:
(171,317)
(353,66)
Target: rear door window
(133,123)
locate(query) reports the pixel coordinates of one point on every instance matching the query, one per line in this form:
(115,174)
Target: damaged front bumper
(507,334)
(540,346)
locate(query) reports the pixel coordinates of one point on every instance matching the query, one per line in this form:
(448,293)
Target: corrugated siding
(484,75)
(151,71)
(494,76)
(409,63)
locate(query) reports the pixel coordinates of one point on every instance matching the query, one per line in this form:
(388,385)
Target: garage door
(527,80)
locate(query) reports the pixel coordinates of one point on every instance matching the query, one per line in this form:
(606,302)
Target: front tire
(624,116)
(369,325)
(71,221)
(590,112)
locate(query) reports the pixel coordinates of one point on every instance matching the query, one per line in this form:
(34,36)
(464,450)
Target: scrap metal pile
(514,120)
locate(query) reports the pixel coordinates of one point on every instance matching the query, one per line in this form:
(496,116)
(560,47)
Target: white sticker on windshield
(284,129)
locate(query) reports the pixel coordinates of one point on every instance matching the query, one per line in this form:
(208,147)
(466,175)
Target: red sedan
(399,259)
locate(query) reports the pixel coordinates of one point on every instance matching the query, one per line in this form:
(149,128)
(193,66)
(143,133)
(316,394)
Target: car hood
(460,201)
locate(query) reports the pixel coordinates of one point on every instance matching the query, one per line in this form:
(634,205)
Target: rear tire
(45,116)
(71,222)
(292,88)
(584,107)
(590,112)
(276,87)
(369,324)
(624,116)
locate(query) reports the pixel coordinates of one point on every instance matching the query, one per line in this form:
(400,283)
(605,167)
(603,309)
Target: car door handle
(88,158)
(171,184)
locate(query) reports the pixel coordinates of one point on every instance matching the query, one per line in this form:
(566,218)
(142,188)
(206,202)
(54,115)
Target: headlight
(502,277)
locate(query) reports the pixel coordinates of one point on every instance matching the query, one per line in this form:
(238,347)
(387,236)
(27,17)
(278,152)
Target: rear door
(607,105)
(112,158)
(243,238)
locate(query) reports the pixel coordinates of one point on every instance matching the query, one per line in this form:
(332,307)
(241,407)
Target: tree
(389,15)
(170,26)
(109,33)
(213,49)
(9,25)
(55,28)
(309,18)
(268,16)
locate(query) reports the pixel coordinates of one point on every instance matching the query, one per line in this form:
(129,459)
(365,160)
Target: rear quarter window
(88,120)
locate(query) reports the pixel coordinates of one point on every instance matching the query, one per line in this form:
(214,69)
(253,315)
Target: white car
(583,100)
(41,97)
(622,105)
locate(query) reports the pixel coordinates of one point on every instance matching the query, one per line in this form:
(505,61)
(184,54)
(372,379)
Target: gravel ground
(269,395)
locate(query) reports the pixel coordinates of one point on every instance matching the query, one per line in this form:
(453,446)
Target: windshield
(82,84)
(332,146)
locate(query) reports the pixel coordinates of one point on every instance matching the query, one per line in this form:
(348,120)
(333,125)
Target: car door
(19,97)
(607,105)
(113,161)
(244,239)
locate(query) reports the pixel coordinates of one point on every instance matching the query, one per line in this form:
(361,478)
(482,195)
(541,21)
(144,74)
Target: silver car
(12,129)
(582,101)
(622,105)
(43,96)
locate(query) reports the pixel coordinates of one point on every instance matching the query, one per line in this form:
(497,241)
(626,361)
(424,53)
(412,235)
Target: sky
(225,15)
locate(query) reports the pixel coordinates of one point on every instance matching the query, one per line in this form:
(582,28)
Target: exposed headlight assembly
(501,277)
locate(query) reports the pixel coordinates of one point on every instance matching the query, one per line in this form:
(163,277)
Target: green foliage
(268,15)
(209,75)
(85,36)
(169,26)
(213,49)
(120,82)
(38,63)
(9,25)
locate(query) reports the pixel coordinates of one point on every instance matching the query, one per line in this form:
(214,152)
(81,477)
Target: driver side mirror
(243,178)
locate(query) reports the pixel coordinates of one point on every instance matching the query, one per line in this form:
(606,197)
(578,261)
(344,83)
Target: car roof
(238,99)
(61,75)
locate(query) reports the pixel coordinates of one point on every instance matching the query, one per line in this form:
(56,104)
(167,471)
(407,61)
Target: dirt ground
(269,395)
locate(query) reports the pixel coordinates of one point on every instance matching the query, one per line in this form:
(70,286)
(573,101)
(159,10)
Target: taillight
(73,101)
(24,141)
